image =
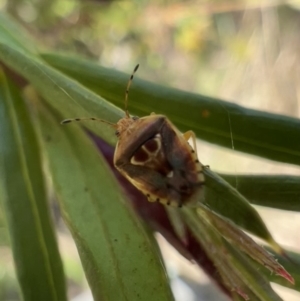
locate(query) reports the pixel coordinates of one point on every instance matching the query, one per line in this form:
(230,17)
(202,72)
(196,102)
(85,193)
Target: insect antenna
(65,121)
(127,90)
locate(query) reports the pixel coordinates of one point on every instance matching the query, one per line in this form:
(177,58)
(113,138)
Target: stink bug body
(156,158)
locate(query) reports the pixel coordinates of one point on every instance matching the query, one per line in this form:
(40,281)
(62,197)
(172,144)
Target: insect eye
(135,118)
(117,133)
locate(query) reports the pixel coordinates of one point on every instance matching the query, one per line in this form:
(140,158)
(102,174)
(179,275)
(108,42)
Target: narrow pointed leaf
(13,35)
(244,243)
(38,264)
(235,268)
(73,97)
(227,201)
(260,133)
(275,191)
(251,277)
(118,257)
(62,93)
(291,262)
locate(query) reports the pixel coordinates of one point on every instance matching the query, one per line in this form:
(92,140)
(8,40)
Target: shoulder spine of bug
(156,157)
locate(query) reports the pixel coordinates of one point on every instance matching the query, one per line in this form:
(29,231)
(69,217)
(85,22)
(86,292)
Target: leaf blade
(222,198)
(275,191)
(271,136)
(39,268)
(235,268)
(113,247)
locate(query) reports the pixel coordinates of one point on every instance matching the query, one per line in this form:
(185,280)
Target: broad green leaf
(267,135)
(118,257)
(275,191)
(38,264)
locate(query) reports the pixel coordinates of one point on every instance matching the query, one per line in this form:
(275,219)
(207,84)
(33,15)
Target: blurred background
(247,52)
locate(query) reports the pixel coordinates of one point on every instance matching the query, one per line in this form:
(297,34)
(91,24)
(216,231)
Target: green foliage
(118,254)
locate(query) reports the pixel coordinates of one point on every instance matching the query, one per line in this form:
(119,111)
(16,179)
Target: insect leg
(190,134)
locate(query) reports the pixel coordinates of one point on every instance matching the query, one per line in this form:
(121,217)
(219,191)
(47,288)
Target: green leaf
(61,92)
(13,35)
(117,254)
(263,134)
(272,136)
(291,262)
(243,242)
(236,270)
(227,201)
(73,97)
(276,191)
(38,264)
(70,92)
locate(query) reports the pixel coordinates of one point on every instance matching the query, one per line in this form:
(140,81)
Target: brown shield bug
(156,157)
